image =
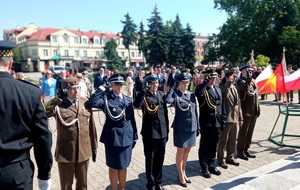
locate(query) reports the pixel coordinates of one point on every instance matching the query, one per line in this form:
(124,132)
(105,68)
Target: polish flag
(292,82)
(264,76)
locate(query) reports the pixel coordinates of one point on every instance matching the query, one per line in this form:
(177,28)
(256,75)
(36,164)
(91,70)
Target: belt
(8,160)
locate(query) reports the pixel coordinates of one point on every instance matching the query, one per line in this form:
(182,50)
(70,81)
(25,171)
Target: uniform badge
(114,109)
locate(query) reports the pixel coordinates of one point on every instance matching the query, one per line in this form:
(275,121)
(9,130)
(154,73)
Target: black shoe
(249,155)
(232,162)
(182,184)
(223,165)
(214,170)
(206,173)
(158,187)
(298,102)
(242,156)
(188,180)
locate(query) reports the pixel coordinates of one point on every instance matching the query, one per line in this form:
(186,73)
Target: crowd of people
(219,105)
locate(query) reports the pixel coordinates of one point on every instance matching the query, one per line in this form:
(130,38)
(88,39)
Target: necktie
(75,103)
(234,95)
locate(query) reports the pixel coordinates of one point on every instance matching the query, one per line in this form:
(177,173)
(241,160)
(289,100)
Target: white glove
(44,184)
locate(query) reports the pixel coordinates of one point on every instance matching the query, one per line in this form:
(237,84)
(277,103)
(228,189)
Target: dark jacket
(138,84)
(155,124)
(211,107)
(98,81)
(171,81)
(24,124)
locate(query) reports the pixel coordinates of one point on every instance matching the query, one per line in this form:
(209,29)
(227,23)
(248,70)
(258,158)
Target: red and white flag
(292,82)
(264,76)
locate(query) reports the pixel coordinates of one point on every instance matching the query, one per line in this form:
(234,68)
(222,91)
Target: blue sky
(106,15)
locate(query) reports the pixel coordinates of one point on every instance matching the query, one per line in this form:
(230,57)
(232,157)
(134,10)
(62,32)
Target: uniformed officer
(155,129)
(119,132)
(234,119)
(23,126)
(212,120)
(248,92)
(186,125)
(76,134)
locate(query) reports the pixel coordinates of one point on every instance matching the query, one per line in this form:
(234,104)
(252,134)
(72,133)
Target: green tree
(262,60)
(188,47)
(157,43)
(255,24)
(129,33)
(176,47)
(142,41)
(113,59)
(17,57)
(290,39)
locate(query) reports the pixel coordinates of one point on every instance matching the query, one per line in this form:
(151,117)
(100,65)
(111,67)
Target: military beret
(244,67)
(6,48)
(230,72)
(210,72)
(69,81)
(183,77)
(116,78)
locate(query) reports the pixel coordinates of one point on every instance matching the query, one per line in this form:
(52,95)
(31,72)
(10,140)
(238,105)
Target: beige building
(46,47)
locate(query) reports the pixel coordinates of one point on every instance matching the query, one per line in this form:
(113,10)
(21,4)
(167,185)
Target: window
(97,41)
(97,53)
(121,41)
(77,53)
(54,38)
(76,40)
(66,39)
(34,52)
(45,52)
(198,53)
(132,54)
(55,52)
(66,53)
(139,54)
(84,40)
(122,54)
(85,53)
(103,41)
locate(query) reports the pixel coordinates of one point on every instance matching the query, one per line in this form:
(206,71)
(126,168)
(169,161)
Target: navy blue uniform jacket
(119,133)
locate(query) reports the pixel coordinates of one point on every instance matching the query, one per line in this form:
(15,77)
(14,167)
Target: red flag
(276,82)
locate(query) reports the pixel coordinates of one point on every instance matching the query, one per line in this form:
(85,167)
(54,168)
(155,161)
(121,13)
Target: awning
(137,60)
(55,57)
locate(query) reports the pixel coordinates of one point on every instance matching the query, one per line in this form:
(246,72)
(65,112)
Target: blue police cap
(244,67)
(183,77)
(116,79)
(150,77)
(6,48)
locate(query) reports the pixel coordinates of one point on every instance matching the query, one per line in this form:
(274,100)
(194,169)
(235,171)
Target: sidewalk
(274,167)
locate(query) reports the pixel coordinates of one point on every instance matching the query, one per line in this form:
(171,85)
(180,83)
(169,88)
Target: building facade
(44,47)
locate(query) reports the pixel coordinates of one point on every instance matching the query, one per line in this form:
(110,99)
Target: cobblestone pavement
(266,152)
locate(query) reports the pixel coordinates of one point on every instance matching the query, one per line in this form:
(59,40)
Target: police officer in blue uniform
(212,119)
(119,132)
(186,125)
(23,126)
(155,129)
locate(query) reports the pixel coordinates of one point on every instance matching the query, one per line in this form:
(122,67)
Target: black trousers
(17,175)
(208,146)
(154,151)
